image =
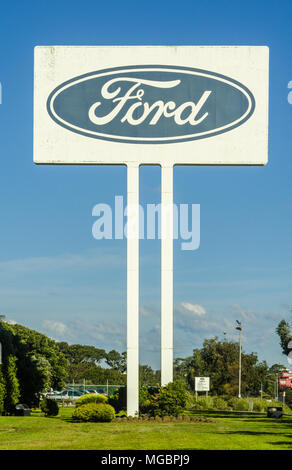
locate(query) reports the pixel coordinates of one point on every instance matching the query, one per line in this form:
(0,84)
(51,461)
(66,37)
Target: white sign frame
(247,144)
(202,384)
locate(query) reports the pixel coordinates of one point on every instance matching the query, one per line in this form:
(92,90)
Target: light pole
(276,388)
(239,328)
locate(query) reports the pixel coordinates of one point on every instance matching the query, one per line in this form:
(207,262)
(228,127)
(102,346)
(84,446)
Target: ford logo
(151,104)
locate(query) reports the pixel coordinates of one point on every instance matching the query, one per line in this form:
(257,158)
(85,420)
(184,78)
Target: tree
(284,332)
(219,361)
(270,381)
(147,376)
(12,385)
(2,389)
(181,368)
(77,353)
(34,359)
(117,361)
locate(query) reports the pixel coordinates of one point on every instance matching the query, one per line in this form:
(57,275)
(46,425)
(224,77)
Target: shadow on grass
(281,443)
(245,415)
(272,420)
(68,420)
(228,414)
(257,433)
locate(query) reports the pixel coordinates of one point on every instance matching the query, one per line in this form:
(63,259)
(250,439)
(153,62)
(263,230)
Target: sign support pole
(166,274)
(132,289)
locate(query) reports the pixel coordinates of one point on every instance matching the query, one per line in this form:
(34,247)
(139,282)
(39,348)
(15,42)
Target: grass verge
(227,431)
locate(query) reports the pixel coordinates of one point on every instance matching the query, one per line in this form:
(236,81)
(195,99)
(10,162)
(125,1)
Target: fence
(108,389)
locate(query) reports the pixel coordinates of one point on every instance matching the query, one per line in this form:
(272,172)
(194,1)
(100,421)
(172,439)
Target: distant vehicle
(52,395)
(68,394)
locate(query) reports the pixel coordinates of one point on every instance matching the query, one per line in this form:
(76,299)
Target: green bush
(260,405)
(119,399)
(190,400)
(12,385)
(2,391)
(96,412)
(237,404)
(49,407)
(90,398)
(169,400)
(219,403)
(204,403)
(146,395)
(241,404)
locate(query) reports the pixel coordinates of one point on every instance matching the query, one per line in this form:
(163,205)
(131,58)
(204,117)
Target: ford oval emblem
(151,104)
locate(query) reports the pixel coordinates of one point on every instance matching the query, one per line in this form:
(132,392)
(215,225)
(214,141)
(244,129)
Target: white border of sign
(202,384)
(244,145)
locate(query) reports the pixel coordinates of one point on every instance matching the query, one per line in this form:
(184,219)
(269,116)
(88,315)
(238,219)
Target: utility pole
(2,318)
(239,328)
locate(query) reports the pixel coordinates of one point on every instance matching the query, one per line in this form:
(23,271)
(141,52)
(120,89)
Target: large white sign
(202,384)
(151,104)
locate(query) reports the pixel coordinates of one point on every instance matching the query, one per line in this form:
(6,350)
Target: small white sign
(202,384)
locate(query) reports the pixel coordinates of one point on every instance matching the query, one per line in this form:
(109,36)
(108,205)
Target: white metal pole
(166,274)
(239,373)
(132,289)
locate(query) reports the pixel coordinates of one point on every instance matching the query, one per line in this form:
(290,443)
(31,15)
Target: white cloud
(89,259)
(11,322)
(144,312)
(246,314)
(107,335)
(55,327)
(196,309)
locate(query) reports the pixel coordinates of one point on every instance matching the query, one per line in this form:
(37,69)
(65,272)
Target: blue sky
(56,278)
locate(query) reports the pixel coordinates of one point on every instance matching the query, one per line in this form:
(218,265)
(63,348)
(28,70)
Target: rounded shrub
(241,404)
(90,398)
(96,412)
(203,403)
(49,407)
(169,400)
(119,399)
(232,403)
(219,403)
(259,405)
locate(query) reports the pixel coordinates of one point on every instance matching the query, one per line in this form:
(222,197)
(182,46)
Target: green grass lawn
(228,431)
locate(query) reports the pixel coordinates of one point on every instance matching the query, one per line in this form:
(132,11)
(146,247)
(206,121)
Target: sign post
(159,105)
(166,274)
(132,290)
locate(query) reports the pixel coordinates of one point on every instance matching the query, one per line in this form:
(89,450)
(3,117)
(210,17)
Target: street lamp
(275,376)
(2,318)
(239,328)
